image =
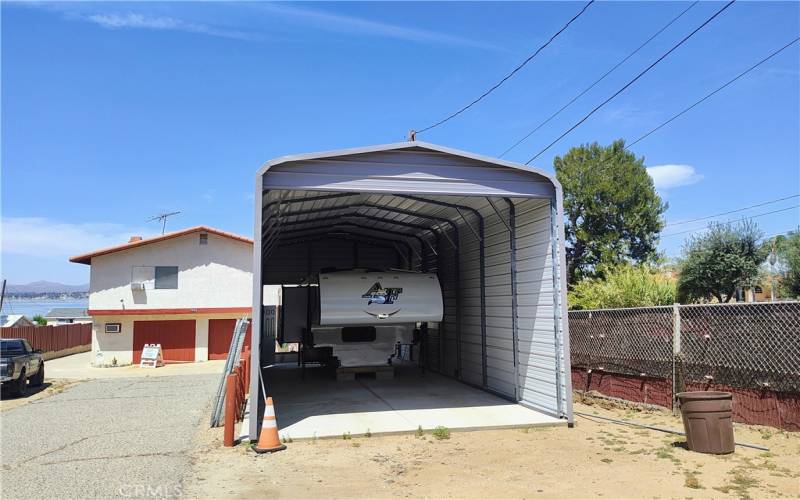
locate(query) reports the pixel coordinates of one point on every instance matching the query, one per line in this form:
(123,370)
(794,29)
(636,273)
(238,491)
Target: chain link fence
(753,348)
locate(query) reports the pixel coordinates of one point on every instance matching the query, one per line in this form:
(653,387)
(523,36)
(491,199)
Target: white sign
(151,356)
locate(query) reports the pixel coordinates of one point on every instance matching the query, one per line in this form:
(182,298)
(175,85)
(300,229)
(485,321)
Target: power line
(590,87)
(625,87)
(779,234)
(748,70)
(743,218)
(513,72)
(732,211)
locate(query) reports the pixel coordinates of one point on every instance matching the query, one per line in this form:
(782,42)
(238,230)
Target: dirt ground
(593,459)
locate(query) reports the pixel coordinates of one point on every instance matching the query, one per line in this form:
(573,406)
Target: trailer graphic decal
(379,295)
(382,315)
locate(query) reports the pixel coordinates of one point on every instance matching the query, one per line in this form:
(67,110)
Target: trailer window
(358,334)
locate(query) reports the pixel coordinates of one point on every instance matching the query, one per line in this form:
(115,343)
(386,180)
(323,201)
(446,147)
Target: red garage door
(220,333)
(175,336)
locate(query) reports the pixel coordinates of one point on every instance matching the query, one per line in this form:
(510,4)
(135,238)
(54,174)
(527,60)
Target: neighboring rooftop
(11,320)
(137,241)
(67,312)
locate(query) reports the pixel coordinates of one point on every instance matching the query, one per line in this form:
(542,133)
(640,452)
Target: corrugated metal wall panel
(290,264)
(500,367)
(539,377)
(332,253)
(377,257)
(287,264)
(470,348)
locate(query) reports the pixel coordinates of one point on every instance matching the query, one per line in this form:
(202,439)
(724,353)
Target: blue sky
(112,112)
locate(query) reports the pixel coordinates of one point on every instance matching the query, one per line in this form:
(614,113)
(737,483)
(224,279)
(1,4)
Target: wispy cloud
(131,20)
(41,237)
(671,176)
(342,23)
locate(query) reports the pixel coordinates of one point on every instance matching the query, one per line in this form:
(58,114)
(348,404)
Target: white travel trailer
(362,316)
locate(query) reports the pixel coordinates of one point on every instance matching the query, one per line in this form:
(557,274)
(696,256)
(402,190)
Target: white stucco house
(183,290)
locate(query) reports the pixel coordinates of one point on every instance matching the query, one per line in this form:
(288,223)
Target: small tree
(611,209)
(723,259)
(787,249)
(624,286)
(40,320)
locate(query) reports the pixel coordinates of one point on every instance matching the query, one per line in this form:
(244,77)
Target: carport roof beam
(382,220)
(458,208)
(362,216)
(315,231)
(310,198)
(356,225)
(497,211)
(386,208)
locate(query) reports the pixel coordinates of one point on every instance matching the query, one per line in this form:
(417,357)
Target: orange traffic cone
(268,440)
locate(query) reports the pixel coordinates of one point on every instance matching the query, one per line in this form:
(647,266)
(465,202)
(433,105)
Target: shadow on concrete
(6,393)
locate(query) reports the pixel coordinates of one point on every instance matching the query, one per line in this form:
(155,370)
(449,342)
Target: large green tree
(719,261)
(612,211)
(787,249)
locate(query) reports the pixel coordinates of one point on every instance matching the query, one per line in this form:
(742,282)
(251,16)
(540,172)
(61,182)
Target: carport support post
(512,242)
(255,332)
(677,375)
(560,261)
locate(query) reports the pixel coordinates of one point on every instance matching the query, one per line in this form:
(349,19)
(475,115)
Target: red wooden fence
(51,338)
(236,390)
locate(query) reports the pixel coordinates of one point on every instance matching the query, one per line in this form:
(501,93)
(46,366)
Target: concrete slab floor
(320,407)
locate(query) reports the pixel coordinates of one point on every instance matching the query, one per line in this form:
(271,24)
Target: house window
(166,277)
(758,289)
(113,327)
(204,238)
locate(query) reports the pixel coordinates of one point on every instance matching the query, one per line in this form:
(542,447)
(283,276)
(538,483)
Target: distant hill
(45,287)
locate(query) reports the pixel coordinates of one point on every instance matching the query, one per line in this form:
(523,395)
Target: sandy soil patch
(594,459)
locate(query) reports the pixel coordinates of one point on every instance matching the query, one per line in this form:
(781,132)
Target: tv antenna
(163,218)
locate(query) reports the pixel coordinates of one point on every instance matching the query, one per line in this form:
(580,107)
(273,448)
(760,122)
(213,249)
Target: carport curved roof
(408,146)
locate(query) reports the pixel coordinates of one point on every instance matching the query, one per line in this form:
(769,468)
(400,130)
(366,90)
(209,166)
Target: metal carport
(491,230)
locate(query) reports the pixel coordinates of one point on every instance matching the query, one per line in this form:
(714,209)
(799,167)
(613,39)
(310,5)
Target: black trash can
(708,421)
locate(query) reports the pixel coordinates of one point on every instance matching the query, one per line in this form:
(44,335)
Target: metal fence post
(676,353)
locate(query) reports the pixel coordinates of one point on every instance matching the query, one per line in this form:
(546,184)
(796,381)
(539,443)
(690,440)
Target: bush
(40,320)
(441,432)
(624,286)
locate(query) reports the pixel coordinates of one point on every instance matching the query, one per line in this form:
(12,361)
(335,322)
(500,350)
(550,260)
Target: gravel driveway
(104,438)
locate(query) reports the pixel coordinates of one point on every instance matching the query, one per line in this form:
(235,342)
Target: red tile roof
(87,257)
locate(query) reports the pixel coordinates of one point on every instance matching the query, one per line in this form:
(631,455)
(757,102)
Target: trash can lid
(692,395)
